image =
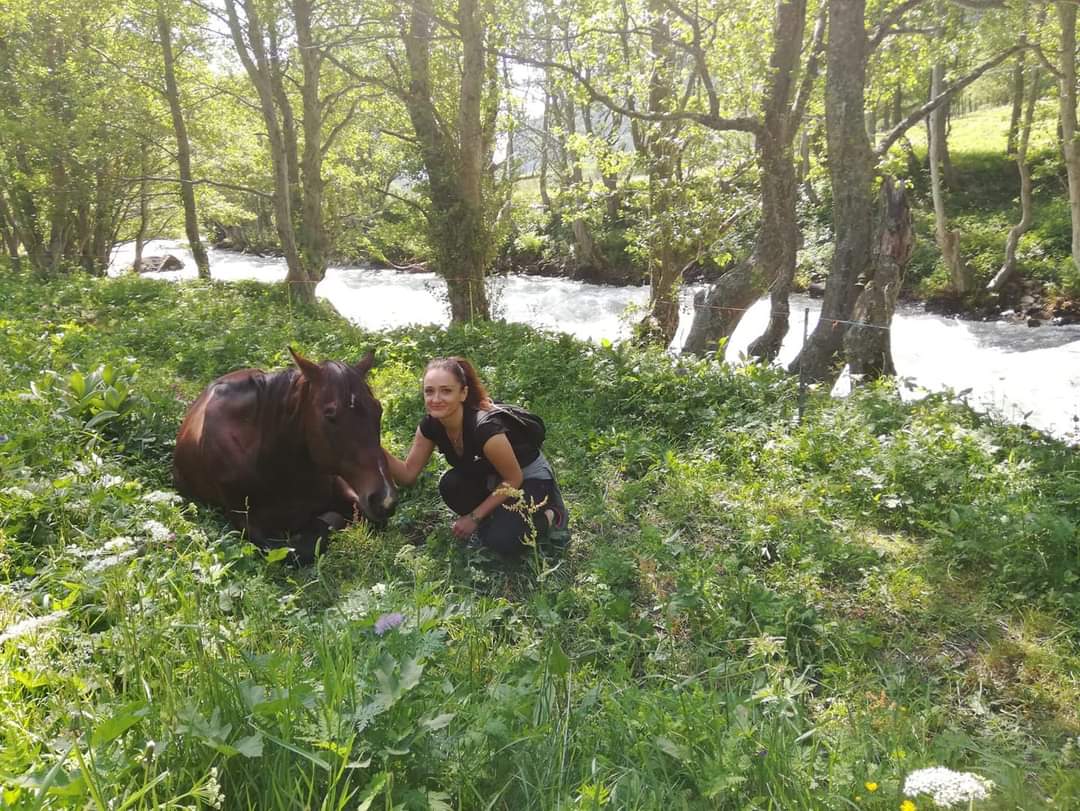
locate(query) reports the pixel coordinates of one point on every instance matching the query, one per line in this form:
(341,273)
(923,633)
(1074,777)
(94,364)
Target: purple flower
(388,622)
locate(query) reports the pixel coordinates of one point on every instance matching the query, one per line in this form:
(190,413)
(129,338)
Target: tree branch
(980,5)
(889,21)
(407,202)
(1046,63)
(952,89)
(338,127)
(365,79)
(232,186)
(708,120)
(806,87)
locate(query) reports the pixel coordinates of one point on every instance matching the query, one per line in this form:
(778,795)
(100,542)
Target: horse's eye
(330,414)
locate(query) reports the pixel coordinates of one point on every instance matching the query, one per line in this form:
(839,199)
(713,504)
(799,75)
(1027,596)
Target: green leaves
(215,733)
(120,722)
(96,398)
(395,679)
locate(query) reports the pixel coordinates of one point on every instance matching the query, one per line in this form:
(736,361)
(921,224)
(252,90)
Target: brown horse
(289,455)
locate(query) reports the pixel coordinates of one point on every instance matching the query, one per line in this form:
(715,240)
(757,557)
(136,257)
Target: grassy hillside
(985,203)
(753,614)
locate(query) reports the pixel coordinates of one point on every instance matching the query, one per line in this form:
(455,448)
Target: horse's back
(219,440)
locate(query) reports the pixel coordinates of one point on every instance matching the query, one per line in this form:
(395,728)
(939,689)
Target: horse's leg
(313,538)
(344,500)
(307,539)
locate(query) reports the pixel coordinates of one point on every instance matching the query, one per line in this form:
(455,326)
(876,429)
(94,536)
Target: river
(1021,373)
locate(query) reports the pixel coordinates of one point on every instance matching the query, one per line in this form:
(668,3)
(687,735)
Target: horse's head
(341,421)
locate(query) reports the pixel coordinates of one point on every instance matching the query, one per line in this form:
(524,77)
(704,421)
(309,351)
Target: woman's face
(443,393)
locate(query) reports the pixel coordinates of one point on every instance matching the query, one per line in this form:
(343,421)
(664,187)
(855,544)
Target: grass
(754,614)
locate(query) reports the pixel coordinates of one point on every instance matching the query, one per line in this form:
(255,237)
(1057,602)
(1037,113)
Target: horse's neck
(283,402)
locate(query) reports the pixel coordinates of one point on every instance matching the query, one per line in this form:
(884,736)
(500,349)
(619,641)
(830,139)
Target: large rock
(157,264)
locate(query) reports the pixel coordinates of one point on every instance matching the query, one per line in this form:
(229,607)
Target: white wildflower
(30,625)
(161,497)
(379,589)
(946,787)
(211,790)
(158,531)
(356,604)
(18,492)
(109,480)
(118,544)
(98,565)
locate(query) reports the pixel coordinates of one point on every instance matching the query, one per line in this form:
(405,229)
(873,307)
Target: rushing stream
(1021,372)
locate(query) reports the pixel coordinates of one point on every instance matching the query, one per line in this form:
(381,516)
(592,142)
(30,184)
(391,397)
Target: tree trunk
(1017,100)
(1067,108)
(101,227)
(948,241)
(851,169)
(469,299)
(772,263)
(778,242)
(586,253)
(718,311)
(804,168)
(665,271)
(183,147)
(311,238)
(26,219)
(1008,268)
(258,68)
(144,220)
(9,231)
(456,224)
(289,138)
(545,139)
(60,221)
(867,344)
(937,123)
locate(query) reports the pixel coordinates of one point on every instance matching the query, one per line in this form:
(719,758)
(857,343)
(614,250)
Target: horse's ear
(307,368)
(366,362)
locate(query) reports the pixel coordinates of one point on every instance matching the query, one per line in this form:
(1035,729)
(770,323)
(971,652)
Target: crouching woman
(489,452)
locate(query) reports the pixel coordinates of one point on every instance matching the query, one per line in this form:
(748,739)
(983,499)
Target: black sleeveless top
(477,427)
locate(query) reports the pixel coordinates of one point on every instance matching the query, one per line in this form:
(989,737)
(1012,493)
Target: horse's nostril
(381,506)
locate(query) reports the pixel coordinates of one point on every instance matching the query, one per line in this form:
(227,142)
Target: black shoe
(558,534)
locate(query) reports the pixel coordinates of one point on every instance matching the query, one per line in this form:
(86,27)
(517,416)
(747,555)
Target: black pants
(503,530)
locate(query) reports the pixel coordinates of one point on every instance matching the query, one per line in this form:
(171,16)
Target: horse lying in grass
(289,455)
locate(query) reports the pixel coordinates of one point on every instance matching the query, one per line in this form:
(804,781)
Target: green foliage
(753,613)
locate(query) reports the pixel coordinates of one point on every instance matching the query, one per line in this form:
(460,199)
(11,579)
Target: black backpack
(521,423)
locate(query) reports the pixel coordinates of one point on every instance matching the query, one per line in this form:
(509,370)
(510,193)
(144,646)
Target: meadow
(754,613)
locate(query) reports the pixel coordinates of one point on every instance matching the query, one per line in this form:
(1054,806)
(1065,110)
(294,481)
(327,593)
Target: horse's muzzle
(379,506)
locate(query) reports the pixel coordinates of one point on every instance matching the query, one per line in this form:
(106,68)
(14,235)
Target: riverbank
(751,607)
(1022,374)
(1023,301)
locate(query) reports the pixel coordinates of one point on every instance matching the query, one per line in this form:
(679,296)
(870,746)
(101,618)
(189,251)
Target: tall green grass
(753,613)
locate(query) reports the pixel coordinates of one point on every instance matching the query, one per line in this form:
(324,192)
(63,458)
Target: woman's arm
(406,472)
(498,451)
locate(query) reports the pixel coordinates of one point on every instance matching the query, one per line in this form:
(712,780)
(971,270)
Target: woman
(487,454)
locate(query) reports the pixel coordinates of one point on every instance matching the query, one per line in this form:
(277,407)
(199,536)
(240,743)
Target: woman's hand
(464,527)
(406,472)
